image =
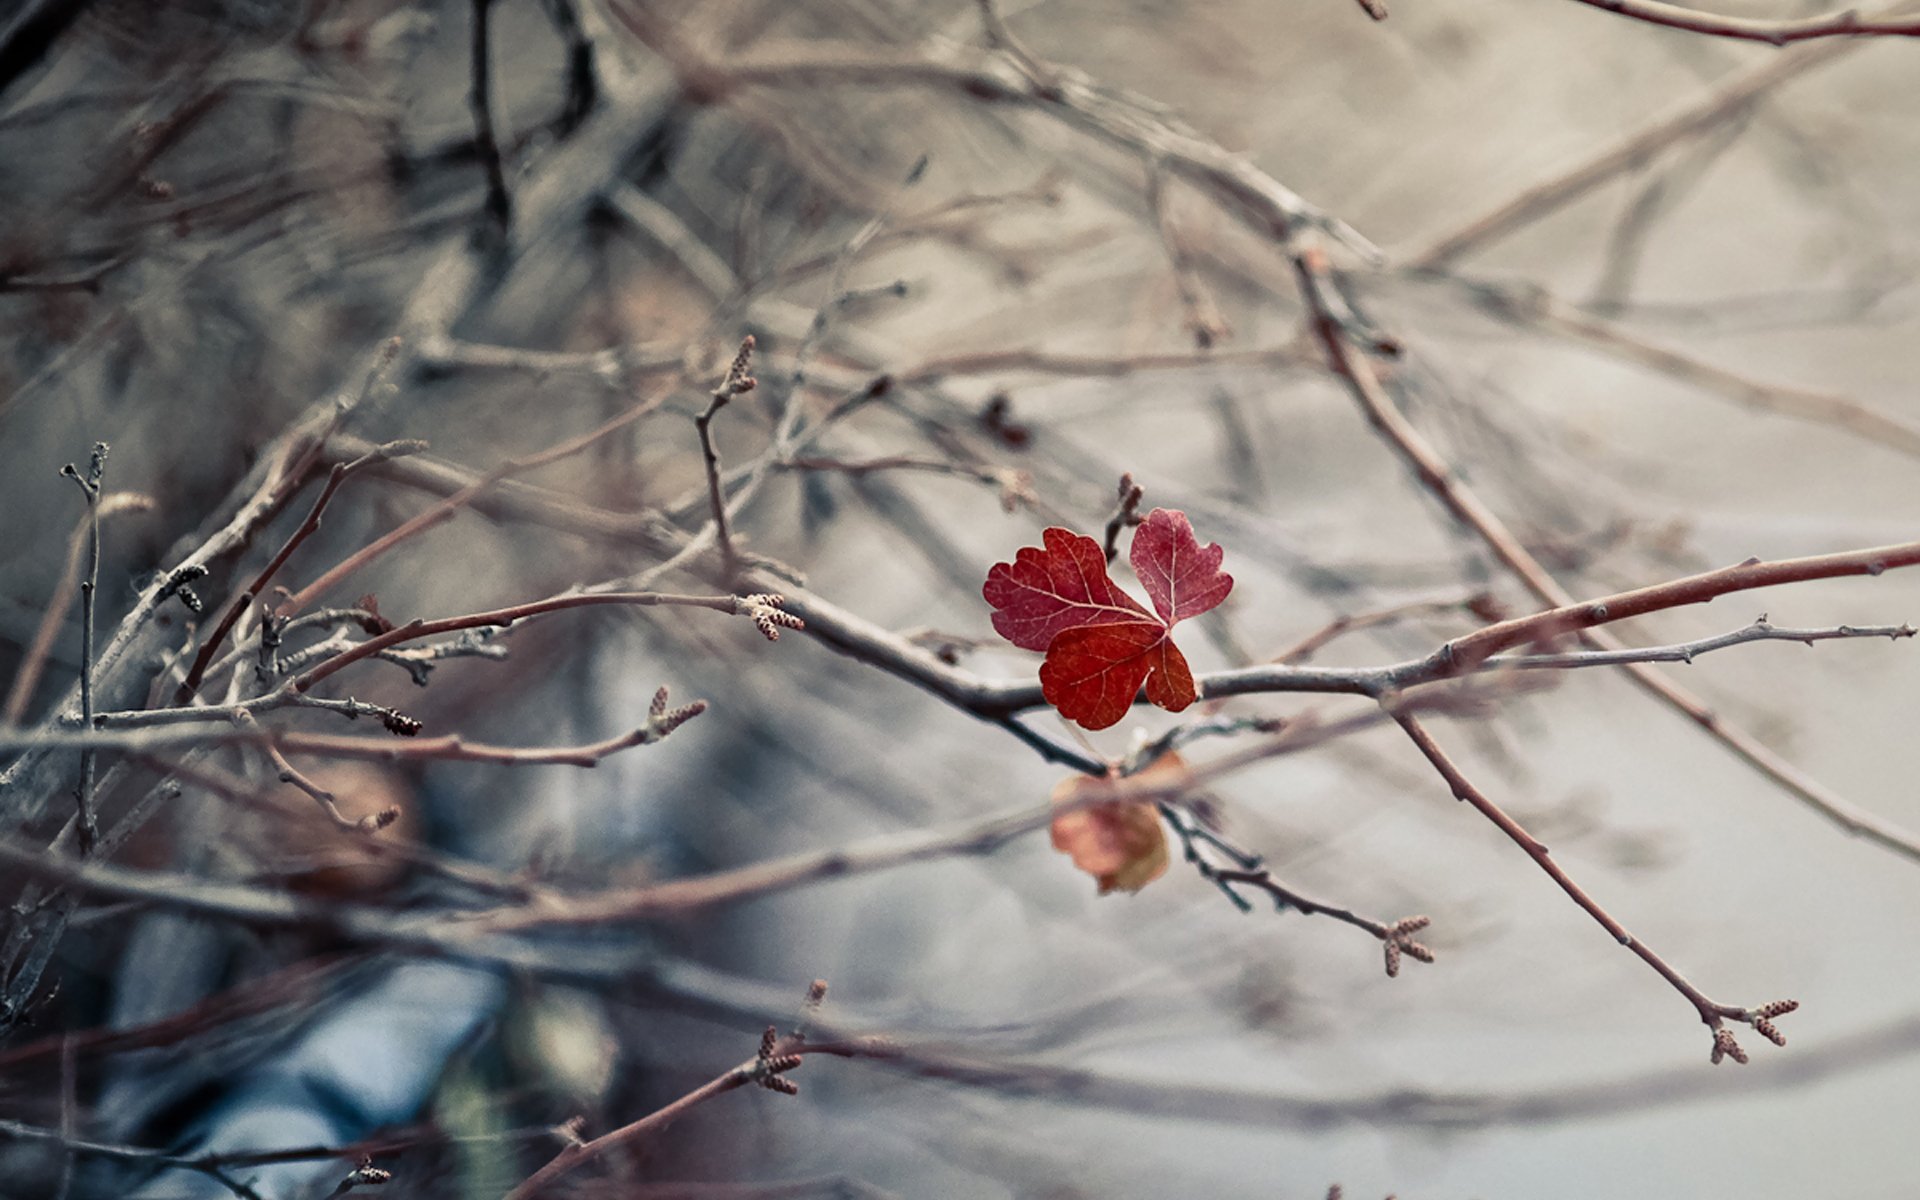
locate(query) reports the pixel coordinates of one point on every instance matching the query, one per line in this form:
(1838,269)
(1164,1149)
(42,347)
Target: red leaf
(1093,673)
(1182,577)
(1064,586)
(1101,644)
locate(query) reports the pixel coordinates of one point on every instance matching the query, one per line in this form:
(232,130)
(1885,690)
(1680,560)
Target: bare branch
(338,475)
(1712,1013)
(1439,478)
(1842,23)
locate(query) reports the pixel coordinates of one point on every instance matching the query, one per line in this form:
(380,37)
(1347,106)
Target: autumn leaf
(1121,843)
(1101,644)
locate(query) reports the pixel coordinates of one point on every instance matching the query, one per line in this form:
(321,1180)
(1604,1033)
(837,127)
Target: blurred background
(1652,296)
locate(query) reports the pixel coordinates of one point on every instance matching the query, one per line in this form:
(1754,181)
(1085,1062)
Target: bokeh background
(213,214)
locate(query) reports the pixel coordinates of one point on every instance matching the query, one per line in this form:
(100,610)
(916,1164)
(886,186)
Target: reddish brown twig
(738,381)
(1713,1013)
(450,506)
(1439,478)
(339,474)
(768,1069)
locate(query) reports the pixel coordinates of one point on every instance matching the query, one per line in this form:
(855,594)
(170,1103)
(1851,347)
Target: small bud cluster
(739,378)
(1763,1019)
(1724,1045)
(764,611)
(364,1175)
(178,582)
(770,1070)
(570,1130)
(662,720)
(400,724)
(1398,940)
(375,822)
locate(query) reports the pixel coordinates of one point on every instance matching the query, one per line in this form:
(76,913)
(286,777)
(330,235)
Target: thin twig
(39,651)
(290,774)
(1439,478)
(1347,623)
(1126,514)
(768,1069)
(1249,870)
(763,609)
(449,747)
(89,485)
(452,504)
(738,381)
(1712,1013)
(339,474)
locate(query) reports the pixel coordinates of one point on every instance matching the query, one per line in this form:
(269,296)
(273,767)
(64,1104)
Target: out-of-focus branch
(563,183)
(999,75)
(451,747)
(1691,117)
(499,208)
(1537,309)
(1841,23)
(449,507)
